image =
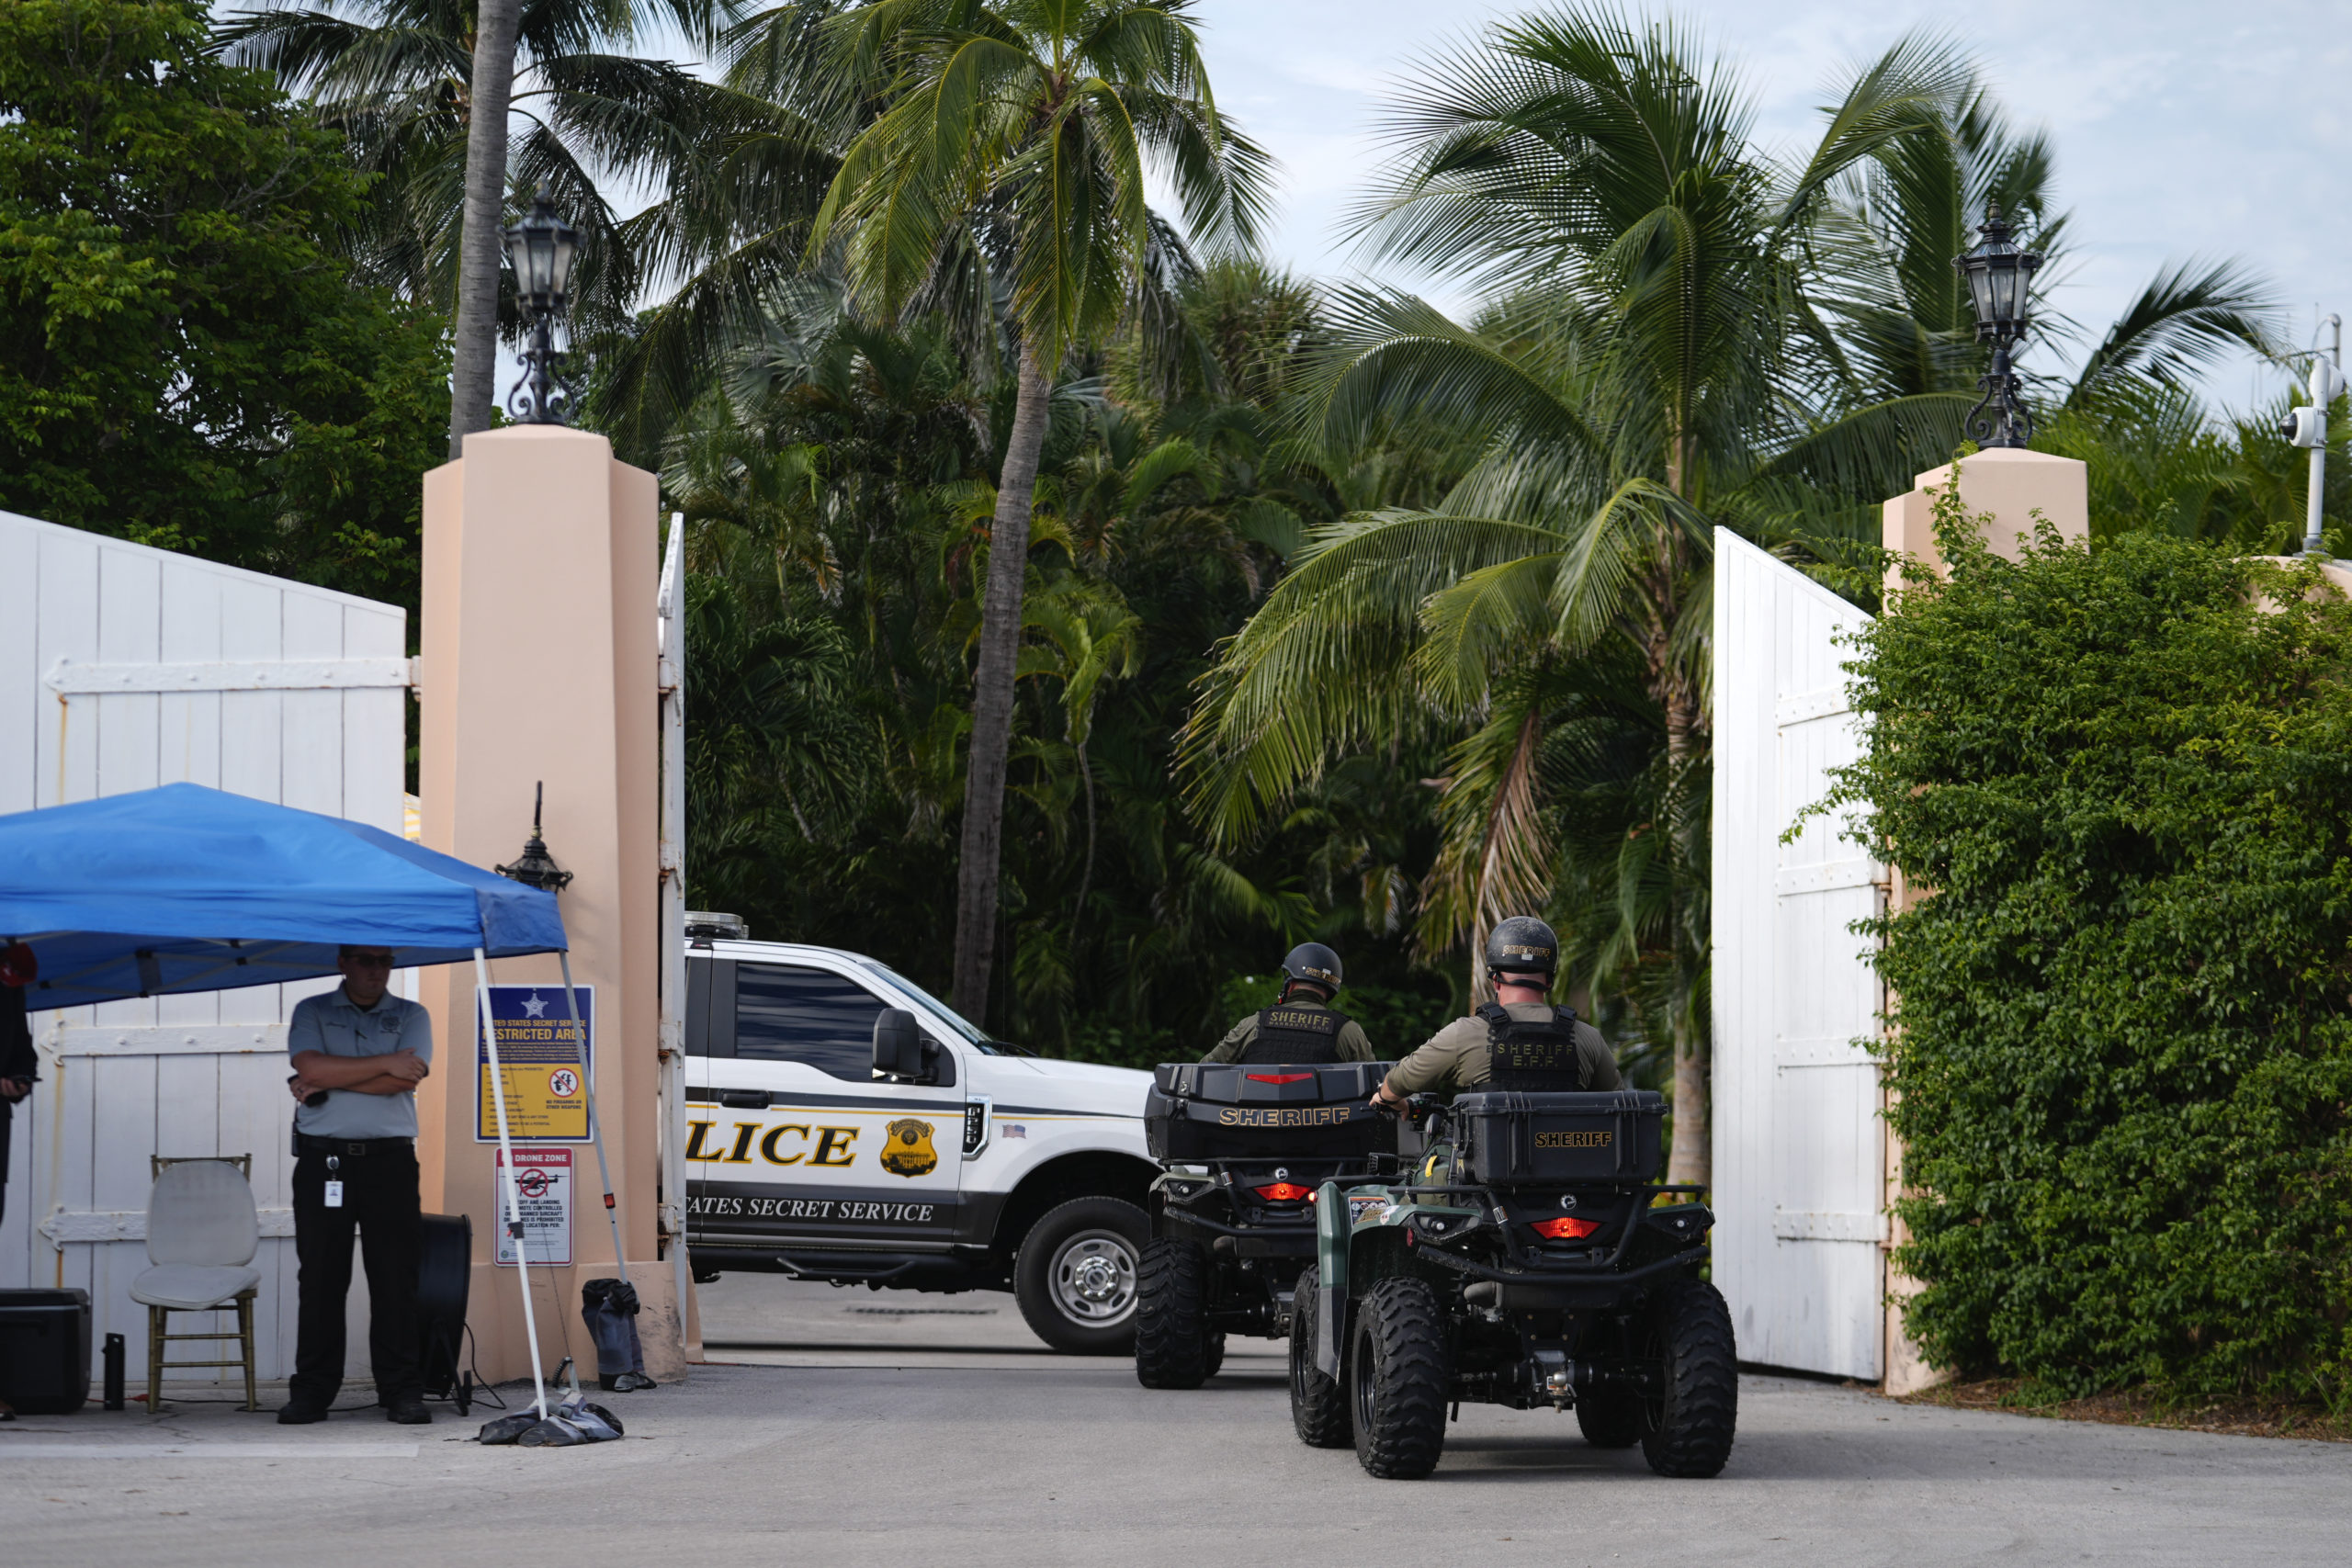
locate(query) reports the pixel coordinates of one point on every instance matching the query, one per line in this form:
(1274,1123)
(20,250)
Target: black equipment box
(1199,1111)
(45,1350)
(1507,1140)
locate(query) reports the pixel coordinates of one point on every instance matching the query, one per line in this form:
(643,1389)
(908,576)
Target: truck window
(784,1013)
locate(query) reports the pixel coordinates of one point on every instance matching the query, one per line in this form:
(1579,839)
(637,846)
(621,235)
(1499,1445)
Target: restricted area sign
(544,1061)
(543,1188)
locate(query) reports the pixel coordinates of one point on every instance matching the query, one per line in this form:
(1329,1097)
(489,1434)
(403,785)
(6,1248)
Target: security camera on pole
(2307,427)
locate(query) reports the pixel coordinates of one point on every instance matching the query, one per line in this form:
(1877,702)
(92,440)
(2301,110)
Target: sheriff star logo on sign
(909,1152)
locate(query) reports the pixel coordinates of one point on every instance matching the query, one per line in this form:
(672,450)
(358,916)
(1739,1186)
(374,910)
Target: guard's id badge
(334,1194)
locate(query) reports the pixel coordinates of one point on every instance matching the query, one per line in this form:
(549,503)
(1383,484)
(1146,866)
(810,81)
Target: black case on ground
(45,1350)
(1506,1140)
(1199,1111)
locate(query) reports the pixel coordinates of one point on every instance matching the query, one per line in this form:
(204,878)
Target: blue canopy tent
(186,888)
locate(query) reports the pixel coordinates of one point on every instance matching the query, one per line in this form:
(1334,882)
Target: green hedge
(2126,1045)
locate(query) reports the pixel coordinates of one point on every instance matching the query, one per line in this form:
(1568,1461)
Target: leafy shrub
(2125,1052)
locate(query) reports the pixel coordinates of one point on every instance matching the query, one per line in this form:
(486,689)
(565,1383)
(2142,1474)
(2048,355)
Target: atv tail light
(1565,1229)
(1284,1192)
(1279,1078)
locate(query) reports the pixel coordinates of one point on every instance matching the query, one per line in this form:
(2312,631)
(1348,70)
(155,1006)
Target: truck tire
(1212,1353)
(1318,1406)
(1610,1419)
(1687,1431)
(1171,1328)
(1075,1276)
(1399,1374)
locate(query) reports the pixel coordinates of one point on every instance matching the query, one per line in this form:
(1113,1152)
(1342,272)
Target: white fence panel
(122,668)
(1799,1148)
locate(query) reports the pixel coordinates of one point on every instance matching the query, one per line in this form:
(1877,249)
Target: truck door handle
(743,1098)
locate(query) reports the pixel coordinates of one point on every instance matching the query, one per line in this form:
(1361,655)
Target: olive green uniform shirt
(1353,1044)
(1456,1058)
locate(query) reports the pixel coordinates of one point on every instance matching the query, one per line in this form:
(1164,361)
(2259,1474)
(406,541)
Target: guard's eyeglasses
(369,961)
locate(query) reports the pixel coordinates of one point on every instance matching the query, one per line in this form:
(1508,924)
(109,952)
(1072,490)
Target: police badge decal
(908,1151)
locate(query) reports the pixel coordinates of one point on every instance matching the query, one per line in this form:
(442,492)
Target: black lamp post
(535,867)
(1999,277)
(541,249)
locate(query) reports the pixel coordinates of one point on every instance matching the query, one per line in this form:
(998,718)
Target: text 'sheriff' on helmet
(1522,945)
(1313,961)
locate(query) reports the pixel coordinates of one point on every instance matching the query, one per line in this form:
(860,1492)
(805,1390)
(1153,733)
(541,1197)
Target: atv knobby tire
(1610,1419)
(1213,1352)
(1688,1431)
(1318,1406)
(1399,1373)
(1172,1327)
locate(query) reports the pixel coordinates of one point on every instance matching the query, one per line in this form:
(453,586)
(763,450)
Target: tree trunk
(474,369)
(1692,1160)
(1086,876)
(976,873)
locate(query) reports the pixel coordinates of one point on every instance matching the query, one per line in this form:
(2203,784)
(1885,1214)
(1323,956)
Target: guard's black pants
(380,1197)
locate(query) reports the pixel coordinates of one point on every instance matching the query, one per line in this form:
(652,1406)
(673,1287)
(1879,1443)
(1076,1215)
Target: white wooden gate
(122,668)
(1799,1148)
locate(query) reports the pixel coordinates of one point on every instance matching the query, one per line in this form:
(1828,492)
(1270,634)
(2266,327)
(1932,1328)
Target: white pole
(595,1123)
(671,628)
(506,1164)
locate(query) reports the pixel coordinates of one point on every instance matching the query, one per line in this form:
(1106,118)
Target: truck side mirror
(897,1043)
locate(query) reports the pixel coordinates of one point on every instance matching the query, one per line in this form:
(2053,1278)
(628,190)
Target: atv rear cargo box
(1508,1139)
(1203,1110)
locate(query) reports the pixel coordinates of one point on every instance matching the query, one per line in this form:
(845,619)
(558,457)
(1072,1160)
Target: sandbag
(609,1308)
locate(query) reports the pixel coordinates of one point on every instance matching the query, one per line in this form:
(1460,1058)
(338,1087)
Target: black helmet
(1316,963)
(1522,945)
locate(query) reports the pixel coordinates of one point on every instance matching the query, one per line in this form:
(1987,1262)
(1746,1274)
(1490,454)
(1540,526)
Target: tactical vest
(1288,1033)
(1534,1057)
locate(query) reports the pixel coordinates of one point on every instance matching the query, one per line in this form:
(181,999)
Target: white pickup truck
(986,1169)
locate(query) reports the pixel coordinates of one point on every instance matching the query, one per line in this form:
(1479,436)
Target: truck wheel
(1171,1336)
(1318,1406)
(1687,1430)
(1400,1372)
(1212,1353)
(1075,1277)
(1611,1420)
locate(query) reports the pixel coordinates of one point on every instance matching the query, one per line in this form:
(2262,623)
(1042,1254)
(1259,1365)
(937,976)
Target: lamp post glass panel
(2000,279)
(541,249)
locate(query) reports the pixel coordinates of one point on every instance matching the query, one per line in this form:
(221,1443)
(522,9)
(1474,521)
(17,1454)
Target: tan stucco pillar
(538,663)
(2011,486)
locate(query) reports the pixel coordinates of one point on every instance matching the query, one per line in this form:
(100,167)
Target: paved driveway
(844,1435)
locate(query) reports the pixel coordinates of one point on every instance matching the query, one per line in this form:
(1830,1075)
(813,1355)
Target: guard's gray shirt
(335,1025)
(1456,1057)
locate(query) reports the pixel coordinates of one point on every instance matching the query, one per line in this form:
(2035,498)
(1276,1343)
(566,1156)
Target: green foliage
(2125,1051)
(183,360)
(837,480)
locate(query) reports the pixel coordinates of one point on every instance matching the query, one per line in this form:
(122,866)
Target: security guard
(1303,1026)
(359,1054)
(1541,1046)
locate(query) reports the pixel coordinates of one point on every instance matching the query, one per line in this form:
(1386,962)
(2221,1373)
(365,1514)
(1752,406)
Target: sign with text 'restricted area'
(543,1194)
(542,1060)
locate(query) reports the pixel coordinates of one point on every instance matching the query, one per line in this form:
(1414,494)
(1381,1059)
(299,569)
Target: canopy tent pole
(506,1165)
(596,1122)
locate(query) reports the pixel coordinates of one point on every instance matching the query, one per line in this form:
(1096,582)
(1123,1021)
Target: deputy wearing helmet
(1518,1040)
(1303,1026)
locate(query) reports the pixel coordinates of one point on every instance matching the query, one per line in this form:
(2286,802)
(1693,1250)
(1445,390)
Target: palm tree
(1012,146)
(1633,378)
(425,88)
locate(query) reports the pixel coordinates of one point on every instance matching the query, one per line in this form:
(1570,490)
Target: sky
(2181,127)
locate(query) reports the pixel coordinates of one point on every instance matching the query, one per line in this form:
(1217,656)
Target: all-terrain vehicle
(1244,1149)
(1528,1259)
